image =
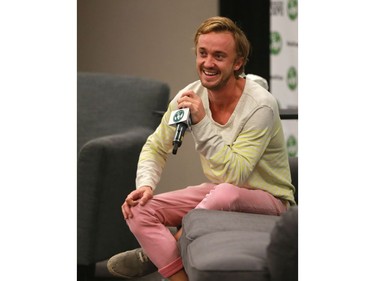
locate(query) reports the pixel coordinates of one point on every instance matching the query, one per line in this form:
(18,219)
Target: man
(237,131)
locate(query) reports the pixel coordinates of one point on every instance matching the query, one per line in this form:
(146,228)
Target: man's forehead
(219,40)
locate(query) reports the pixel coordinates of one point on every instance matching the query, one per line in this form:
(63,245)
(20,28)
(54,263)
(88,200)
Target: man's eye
(219,56)
(202,54)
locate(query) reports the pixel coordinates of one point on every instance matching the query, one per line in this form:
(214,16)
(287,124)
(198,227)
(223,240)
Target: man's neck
(224,101)
(228,95)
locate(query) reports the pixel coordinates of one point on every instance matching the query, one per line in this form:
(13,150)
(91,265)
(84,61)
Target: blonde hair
(220,24)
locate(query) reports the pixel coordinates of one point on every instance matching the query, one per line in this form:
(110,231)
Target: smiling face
(216,59)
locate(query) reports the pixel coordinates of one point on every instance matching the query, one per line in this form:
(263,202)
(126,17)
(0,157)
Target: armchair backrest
(111,104)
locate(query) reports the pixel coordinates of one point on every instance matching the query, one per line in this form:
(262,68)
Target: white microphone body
(179,118)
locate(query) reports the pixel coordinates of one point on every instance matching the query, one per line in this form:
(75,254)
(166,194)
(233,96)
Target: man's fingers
(132,199)
(138,196)
(126,209)
(147,195)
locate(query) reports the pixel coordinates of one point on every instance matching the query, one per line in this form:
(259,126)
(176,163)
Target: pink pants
(150,222)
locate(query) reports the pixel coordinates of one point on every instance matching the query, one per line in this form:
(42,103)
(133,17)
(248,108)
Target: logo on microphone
(178,116)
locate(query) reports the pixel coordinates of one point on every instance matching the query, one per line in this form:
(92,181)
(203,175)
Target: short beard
(218,86)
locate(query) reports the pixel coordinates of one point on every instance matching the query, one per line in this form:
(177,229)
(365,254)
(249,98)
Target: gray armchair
(116,114)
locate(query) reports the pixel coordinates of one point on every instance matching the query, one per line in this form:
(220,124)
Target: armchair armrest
(106,173)
(282,252)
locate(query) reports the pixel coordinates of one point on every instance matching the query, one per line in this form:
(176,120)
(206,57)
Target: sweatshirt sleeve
(234,163)
(158,146)
(154,154)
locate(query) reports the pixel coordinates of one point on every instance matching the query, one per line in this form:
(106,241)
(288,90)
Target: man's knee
(228,192)
(142,216)
(224,197)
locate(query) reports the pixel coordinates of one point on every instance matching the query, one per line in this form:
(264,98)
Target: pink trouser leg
(228,197)
(149,225)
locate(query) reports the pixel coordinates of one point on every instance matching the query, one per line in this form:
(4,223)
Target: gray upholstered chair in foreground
(226,246)
(115,116)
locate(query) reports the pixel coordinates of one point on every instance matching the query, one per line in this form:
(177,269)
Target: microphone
(181,119)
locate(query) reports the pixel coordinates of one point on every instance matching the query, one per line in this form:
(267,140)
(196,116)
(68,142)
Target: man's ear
(238,64)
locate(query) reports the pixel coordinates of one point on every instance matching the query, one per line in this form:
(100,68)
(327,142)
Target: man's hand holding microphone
(190,111)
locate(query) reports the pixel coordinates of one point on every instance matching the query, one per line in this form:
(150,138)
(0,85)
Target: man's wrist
(147,187)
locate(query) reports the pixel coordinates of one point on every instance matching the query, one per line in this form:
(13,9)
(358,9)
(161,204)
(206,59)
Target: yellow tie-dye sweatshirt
(248,151)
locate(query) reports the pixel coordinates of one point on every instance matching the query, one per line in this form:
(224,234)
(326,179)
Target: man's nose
(209,61)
